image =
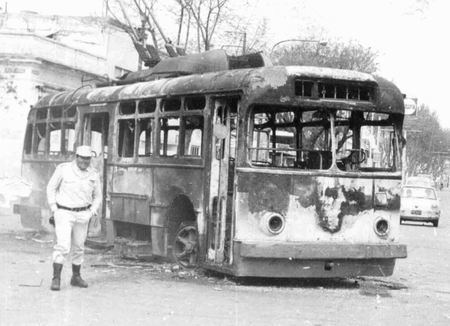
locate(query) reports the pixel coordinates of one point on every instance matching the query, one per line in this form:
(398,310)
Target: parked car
(419,204)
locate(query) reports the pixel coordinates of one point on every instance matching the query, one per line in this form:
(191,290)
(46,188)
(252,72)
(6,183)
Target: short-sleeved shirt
(71,187)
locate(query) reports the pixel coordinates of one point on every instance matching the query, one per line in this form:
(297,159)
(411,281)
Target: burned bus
(268,171)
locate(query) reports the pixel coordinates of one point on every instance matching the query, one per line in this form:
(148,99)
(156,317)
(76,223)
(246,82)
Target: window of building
(169,136)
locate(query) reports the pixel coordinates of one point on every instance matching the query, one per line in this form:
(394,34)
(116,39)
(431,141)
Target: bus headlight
(273,222)
(382,227)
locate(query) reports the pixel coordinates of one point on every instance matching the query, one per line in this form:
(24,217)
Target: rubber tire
(172,255)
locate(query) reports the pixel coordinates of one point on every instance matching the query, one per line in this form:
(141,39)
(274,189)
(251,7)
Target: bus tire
(185,245)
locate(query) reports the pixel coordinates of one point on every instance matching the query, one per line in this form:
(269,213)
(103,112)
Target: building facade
(44,54)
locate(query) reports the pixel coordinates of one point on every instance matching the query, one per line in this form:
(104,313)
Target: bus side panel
(148,195)
(34,211)
(178,199)
(316,208)
(171,183)
(129,190)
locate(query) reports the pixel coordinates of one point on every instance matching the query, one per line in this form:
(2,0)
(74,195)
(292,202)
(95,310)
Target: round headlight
(273,223)
(381,227)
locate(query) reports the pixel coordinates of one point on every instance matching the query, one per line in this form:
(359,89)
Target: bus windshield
(287,137)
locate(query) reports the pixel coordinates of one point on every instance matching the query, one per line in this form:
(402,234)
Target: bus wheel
(185,245)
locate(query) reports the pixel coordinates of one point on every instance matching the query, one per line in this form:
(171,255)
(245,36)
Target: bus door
(222,181)
(95,134)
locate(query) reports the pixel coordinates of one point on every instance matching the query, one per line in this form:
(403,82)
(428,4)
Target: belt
(73,209)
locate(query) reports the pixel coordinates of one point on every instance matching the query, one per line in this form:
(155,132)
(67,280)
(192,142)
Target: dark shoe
(56,280)
(76,277)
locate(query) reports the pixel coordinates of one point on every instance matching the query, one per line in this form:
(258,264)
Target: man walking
(74,196)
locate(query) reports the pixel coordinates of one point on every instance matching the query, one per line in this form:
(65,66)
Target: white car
(419,204)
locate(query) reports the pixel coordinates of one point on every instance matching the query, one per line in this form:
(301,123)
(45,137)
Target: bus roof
(257,83)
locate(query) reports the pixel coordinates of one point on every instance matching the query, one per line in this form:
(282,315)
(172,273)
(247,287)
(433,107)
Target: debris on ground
(32,285)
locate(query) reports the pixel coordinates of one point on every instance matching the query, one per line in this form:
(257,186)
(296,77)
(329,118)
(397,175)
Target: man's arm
(52,188)
(96,196)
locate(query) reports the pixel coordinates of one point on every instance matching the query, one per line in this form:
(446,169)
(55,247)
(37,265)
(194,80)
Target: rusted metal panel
(316,208)
(130,208)
(132,180)
(275,83)
(301,268)
(199,63)
(321,250)
(172,182)
(34,209)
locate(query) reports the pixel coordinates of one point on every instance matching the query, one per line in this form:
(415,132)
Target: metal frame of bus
(172,198)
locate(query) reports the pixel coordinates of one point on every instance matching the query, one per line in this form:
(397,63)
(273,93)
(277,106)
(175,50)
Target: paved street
(124,292)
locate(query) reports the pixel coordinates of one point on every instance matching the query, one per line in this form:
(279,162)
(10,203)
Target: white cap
(84,151)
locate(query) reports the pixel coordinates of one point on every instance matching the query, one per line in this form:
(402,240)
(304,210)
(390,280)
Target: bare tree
(207,14)
(340,55)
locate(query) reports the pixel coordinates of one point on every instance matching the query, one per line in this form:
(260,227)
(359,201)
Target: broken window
(39,138)
(68,141)
(70,112)
(41,114)
(194,103)
(379,143)
(128,107)
(145,147)
(284,137)
(366,141)
(56,113)
(193,135)
(147,106)
(169,136)
(28,139)
(55,138)
(171,104)
(127,129)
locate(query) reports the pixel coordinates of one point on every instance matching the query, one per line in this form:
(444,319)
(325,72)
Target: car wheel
(185,245)
(435,224)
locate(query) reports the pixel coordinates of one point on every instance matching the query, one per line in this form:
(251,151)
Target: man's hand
(93,213)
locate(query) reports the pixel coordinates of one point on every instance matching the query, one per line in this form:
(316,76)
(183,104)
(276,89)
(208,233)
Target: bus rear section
(316,226)
(317,186)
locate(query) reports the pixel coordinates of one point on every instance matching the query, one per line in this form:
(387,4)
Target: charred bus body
(270,171)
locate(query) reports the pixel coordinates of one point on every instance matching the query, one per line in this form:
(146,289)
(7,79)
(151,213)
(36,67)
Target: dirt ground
(127,292)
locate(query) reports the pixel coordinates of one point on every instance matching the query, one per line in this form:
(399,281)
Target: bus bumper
(315,260)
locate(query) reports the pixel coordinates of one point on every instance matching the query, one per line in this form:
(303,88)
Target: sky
(409,35)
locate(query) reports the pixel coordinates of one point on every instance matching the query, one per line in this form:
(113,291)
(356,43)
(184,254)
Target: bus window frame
(156,117)
(390,121)
(61,121)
